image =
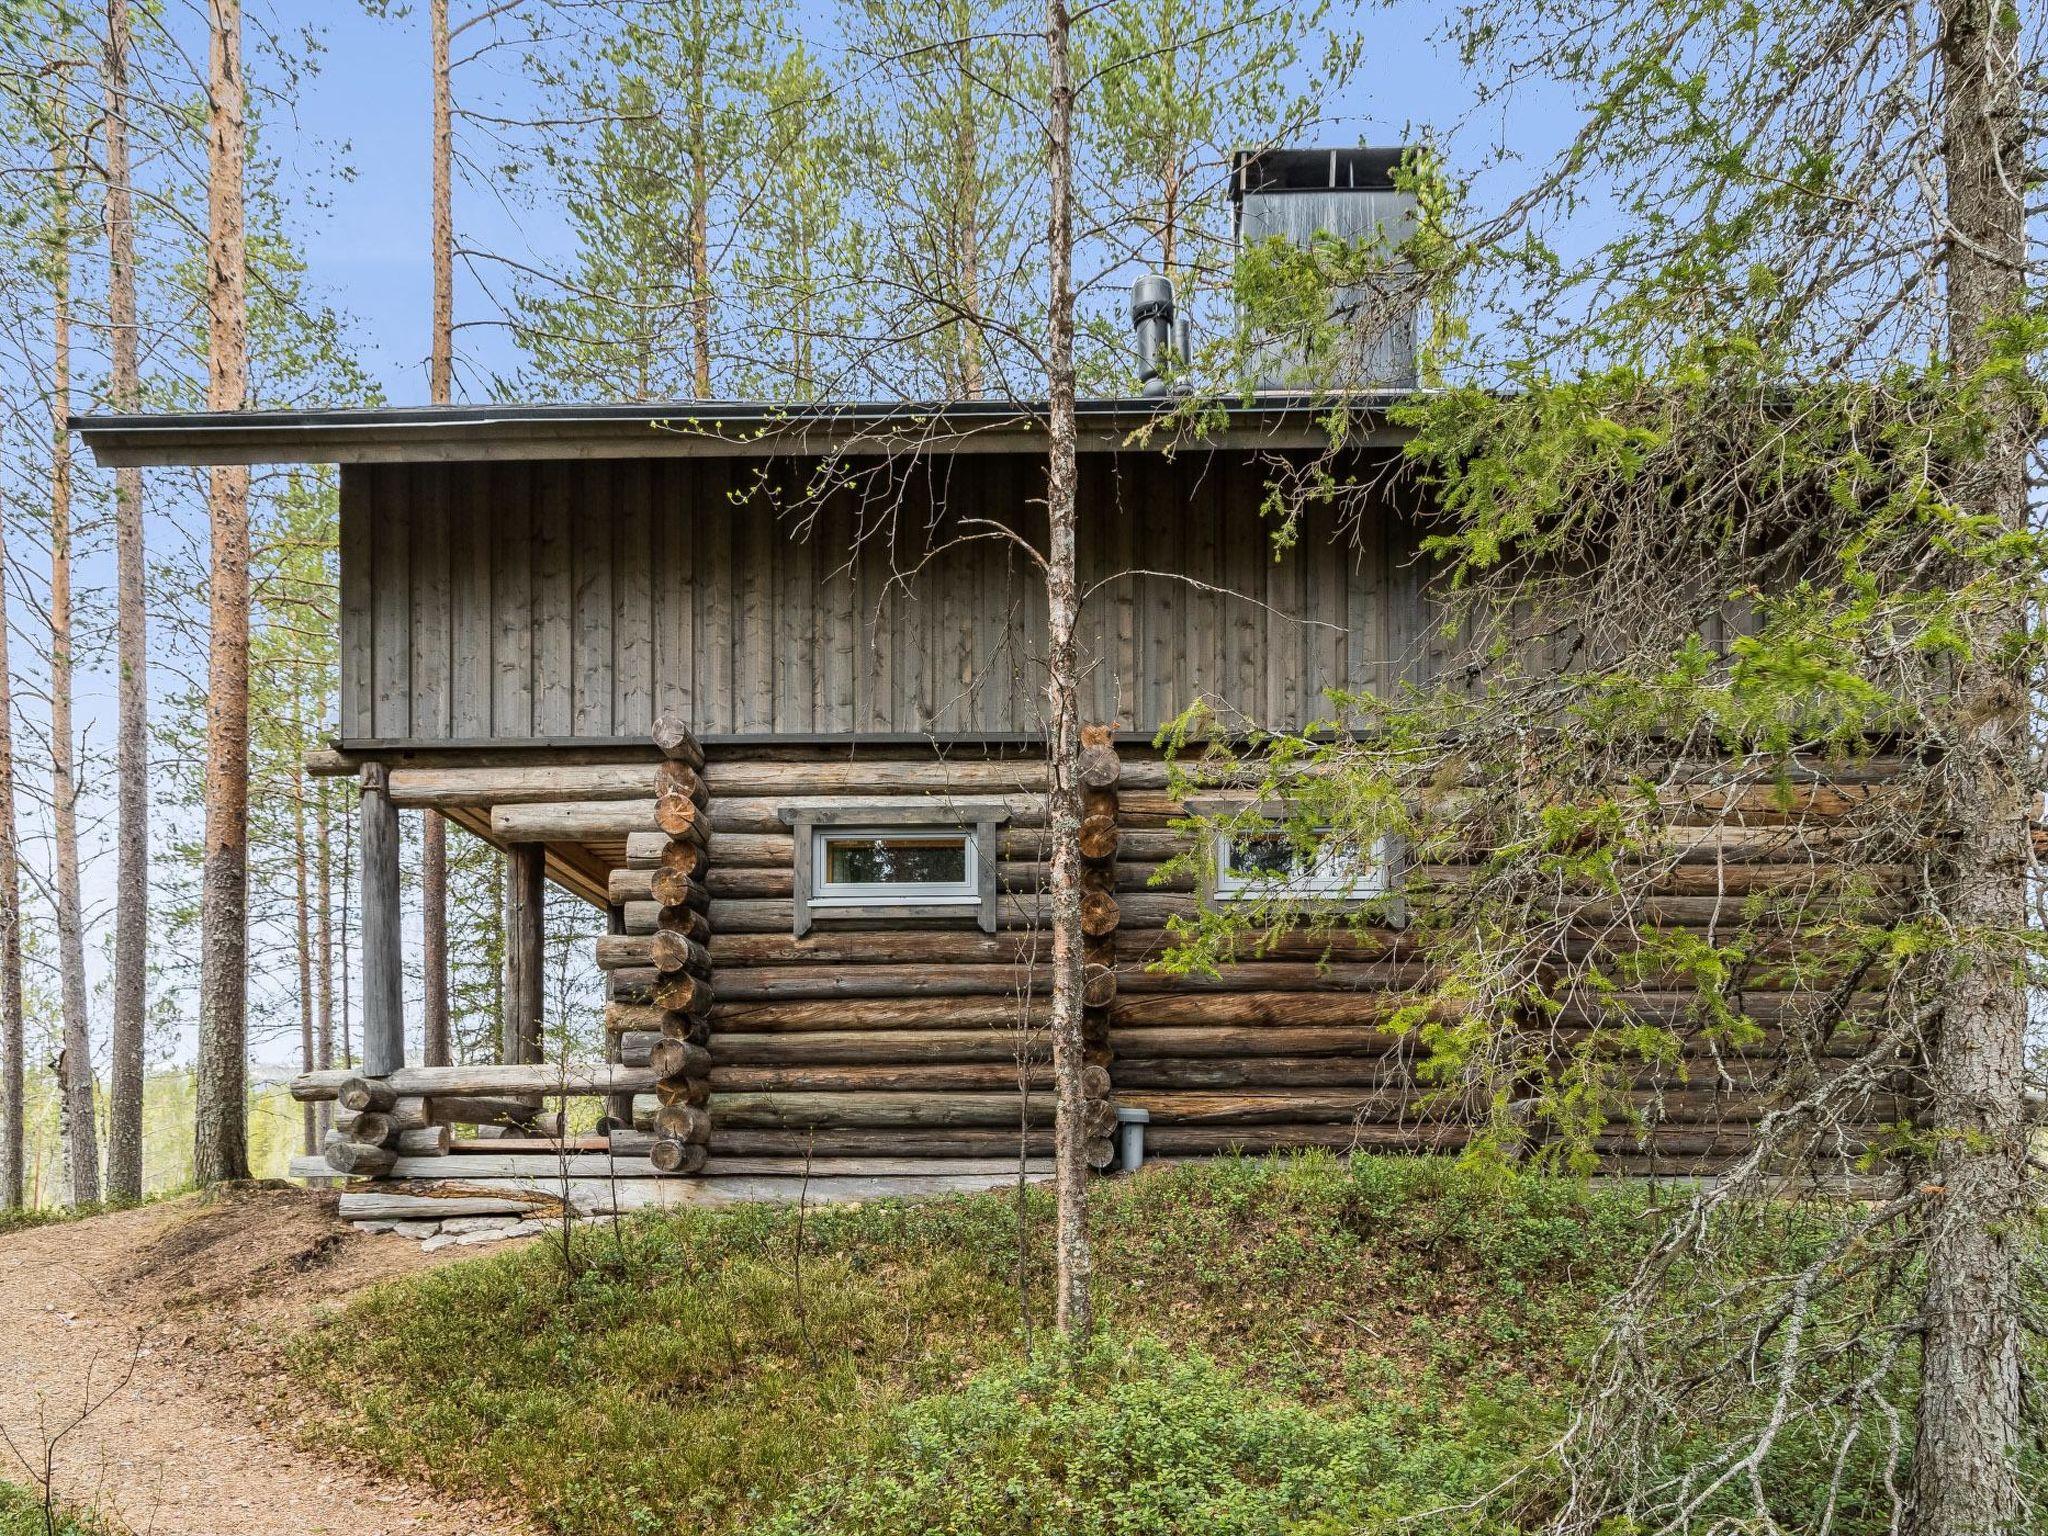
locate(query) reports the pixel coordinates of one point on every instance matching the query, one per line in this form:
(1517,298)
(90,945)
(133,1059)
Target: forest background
(581,271)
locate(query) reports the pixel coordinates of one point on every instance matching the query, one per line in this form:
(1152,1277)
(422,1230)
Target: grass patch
(1403,1313)
(22,1514)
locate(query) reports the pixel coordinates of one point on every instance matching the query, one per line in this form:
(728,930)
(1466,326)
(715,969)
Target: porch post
(383,969)
(524,908)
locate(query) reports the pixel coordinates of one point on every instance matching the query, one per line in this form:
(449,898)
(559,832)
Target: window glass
(1277,863)
(854,866)
(895,859)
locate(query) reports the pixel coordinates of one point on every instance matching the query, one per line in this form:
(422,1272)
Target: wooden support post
(619,1107)
(383,969)
(525,907)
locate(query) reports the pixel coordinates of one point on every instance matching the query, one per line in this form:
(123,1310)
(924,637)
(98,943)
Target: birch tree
(1074,1300)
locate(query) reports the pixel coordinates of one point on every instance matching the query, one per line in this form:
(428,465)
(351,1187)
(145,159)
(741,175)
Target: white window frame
(892,814)
(1327,879)
(826,895)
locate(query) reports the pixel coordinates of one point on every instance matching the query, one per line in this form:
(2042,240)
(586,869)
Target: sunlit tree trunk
(1074,1310)
(220,1145)
(131,760)
(441,390)
(13,1099)
(81,1129)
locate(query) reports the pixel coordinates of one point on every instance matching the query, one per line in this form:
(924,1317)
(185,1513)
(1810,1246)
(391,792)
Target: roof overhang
(715,429)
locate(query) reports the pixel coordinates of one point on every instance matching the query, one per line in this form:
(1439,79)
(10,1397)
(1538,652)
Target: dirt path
(156,1320)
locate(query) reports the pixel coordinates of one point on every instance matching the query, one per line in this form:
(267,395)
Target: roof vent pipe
(1152,321)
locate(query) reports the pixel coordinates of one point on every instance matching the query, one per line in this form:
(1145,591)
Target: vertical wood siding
(558,599)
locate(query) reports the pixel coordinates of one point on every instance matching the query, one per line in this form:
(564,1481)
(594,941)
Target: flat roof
(702,429)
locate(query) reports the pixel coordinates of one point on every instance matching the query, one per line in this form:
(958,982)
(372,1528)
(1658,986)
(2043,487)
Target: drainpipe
(1130,1138)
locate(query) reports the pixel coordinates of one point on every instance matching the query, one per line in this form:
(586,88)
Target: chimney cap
(1312,170)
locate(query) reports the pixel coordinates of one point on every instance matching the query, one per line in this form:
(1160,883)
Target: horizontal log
(636,1047)
(678,784)
(511,1114)
(1207,1140)
(683,1122)
(1098,838)
(1236,1040)
(664,950)
(362,1094)
(826,946)
(1136,1073)
(922,1077)
(644,848)
(875,776)
(1099,768)
(549,1079)
(728,1142)
(680,992)
(674,739)
(633,984)
(767,984)
(646,1018)
(638,918)
(576,821)
(1131,1011)
(1276,976)
(682,1090)
(676,951)
(791,1111)
(1005,1012)
(679,1157)
(382,1205)
(1100,913)
(680,877)
(678,1058)
(425,1141)
(516,785)
(857,1047)
(1192,1107)
(357,1158)
(505,1146)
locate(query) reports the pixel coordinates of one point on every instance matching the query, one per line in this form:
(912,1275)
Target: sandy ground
(134,1356)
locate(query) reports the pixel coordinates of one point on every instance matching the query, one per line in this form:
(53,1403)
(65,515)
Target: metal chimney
(1349,194)
(1152,325)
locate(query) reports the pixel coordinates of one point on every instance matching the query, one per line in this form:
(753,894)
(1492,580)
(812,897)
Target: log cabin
(762,683)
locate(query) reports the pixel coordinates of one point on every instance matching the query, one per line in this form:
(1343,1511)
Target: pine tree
(954,181)
(221,1140)
(651,202)
(131,915)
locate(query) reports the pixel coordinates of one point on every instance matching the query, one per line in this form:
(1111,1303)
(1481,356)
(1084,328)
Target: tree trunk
(220,1146)
(12,1077)
(323,981)
(131,752)
(1965,1472)
(967,164)
(1074,1306)
(81,1136)
(309,1055)
(700,238)
(440,390)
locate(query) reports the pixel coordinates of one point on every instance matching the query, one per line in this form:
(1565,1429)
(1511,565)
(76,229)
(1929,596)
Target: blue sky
(368,106)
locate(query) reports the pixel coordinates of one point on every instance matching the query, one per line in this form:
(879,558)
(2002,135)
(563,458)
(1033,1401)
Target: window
(1254,864)
(912,857)
(893,866)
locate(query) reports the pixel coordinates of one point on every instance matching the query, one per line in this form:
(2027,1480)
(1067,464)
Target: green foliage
(23,1513)
(1143,1440)
(686,1373)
